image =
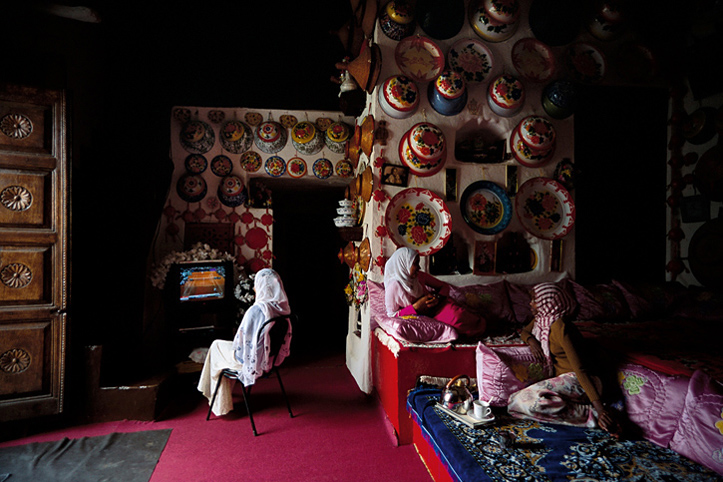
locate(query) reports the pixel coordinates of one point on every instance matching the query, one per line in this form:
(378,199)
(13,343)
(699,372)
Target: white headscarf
(270,294)
(271,301)
(400,287)
(552,303)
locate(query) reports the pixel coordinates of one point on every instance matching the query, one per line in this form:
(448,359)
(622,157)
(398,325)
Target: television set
(201,294)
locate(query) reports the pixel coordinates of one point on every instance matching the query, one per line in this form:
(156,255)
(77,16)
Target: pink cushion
(700,429)
(414,329)
(640,306)
(462,320)
(503,370)
(601,302)
(489,301)
(653,401)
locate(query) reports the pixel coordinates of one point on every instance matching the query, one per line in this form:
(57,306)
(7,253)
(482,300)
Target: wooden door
(33,252)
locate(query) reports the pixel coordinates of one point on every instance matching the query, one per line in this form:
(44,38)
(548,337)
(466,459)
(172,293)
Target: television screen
(202,282)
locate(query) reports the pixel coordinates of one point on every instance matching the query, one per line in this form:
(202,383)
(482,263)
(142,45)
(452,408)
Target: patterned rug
(510,449)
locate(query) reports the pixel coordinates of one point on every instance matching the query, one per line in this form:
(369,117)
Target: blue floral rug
(510,449)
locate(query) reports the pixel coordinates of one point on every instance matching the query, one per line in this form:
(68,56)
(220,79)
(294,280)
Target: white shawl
(400,288)
(271,301)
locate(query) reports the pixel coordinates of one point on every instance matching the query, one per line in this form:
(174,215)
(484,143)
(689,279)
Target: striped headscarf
(552,303)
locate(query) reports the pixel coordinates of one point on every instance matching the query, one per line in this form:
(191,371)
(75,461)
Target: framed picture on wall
(395,175)
(450,185)
(485,255)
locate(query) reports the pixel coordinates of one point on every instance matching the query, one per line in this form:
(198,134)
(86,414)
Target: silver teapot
(456,396)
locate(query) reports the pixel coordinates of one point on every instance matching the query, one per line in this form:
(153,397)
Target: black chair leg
(288,405)
(248,408)
(213,399)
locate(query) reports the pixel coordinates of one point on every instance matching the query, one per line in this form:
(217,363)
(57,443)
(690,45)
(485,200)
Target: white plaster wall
(481,117)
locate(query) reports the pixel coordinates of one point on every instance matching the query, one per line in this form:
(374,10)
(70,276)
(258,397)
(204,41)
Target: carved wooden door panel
(33,252)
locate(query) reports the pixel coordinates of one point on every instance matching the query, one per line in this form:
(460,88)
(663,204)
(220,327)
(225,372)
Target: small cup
(482,410)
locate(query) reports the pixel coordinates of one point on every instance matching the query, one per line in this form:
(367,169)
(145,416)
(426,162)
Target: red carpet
(337,434)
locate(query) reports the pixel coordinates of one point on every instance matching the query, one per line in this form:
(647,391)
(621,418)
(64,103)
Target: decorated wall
(222,158)
(695,187)
(475,103)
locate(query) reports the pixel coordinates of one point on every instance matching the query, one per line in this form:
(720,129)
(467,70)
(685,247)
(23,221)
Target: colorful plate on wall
(419,219)
(296,167)
(533,60)
(221,166)
(472,59)
(586,63)
(322,168)
(545,208)
(275,166)
(196,163)
(197,137)
(485,207)
(344,168)
(251,161)
(419,58)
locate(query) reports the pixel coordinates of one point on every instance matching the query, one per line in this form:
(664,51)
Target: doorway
(620,186)
(305,247)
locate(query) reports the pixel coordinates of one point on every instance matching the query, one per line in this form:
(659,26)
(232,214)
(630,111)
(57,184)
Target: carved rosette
(16,126)
(15,360)
(16,275)
(16,198)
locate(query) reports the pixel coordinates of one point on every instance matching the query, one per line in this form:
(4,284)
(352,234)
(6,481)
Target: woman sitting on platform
(246,354)
(410,291)
(573,395)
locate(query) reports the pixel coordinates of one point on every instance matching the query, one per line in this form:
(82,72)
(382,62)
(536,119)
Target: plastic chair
(279,327)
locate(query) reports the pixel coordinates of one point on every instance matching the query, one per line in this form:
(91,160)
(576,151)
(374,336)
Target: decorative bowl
(306,138)
(345,221)
(235,136)
(231,191)
(399,97)
(505,11)
(397,20)
(191,187)
(506,95)
(486,27)
(345,211)
(440,20)
(337,135)
(526,156)
(346,203)
(271,137)
(448,93)
(426,141)
(558,99)
(419,167)
(537,133)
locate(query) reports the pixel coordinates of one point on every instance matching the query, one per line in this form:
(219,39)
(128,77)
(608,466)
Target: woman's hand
(425,303)
(536,349)
(605,419)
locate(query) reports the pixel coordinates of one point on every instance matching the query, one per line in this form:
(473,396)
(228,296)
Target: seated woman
(244,354)
(573,395)
(410,291)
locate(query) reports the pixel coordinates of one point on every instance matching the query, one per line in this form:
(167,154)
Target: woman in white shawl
(247,354)
(408,291)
